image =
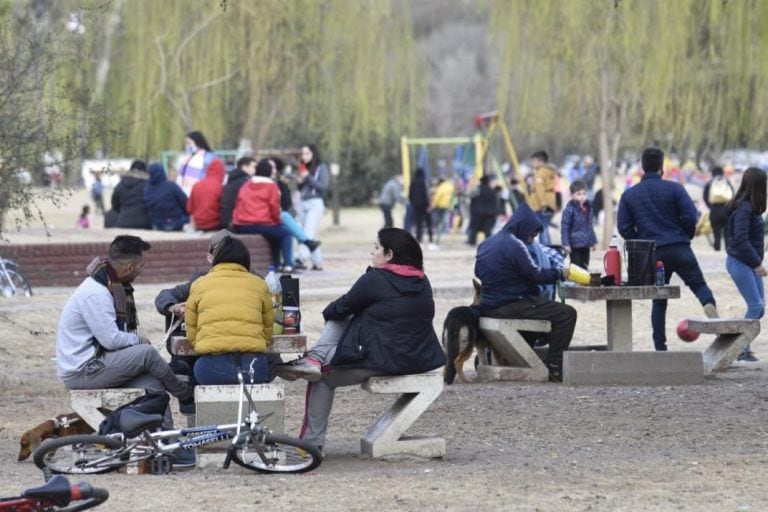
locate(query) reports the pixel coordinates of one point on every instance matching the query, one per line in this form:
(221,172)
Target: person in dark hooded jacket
(381,326)
(128,198)
(511,280)
(166,202)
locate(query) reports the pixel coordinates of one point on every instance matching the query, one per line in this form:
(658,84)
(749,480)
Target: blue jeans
(293,226)
(312,211)
(678,259)
(279,238)
(750,286)
(222,368)
(545,218)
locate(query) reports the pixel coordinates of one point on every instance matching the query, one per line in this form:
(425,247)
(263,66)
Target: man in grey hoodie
(97,345)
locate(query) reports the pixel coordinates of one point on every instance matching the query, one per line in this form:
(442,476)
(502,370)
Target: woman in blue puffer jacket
(746,234)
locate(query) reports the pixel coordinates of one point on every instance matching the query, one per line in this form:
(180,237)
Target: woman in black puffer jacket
(381,326)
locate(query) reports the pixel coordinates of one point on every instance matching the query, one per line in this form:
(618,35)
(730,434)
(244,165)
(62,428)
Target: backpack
(720,191)
(151,403)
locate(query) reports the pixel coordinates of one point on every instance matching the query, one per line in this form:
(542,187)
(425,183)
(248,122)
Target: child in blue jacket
(577,233)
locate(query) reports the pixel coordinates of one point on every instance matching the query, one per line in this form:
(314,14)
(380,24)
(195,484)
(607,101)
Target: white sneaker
(711,310)
(433,247)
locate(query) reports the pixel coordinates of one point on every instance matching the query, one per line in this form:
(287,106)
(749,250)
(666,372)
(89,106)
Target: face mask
(191,149)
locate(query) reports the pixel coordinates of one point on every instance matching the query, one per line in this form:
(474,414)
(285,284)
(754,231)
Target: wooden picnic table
(618,307)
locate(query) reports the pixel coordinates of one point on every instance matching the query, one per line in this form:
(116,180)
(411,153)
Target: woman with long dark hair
(199,157)
(381,326)
(313,181)
(746,246)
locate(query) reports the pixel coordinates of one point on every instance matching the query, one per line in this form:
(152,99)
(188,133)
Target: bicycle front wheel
(77,455)
(18,285)
(278,454)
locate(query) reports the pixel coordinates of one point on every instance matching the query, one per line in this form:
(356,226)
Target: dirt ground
(511,446)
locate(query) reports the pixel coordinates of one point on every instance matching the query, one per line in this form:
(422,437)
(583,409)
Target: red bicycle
(57,495)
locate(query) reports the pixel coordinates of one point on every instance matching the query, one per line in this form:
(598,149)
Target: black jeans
(562,317)
(678,259)
(580,257)
(387,211)
(718,218)
(478,223)
(420,218)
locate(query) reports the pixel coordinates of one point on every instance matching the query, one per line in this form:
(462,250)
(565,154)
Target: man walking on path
(660,210)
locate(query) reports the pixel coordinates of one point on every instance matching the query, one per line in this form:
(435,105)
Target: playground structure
(473,155)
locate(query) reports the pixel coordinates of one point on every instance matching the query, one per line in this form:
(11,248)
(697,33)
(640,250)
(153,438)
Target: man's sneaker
(302,368)
(299,264)
(555,372)
(185,459)
(748,357)
(187,407)
(312,244)
(711,310)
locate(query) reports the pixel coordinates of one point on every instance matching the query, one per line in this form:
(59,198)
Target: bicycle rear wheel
(282,454)
(18,287)
(84,454)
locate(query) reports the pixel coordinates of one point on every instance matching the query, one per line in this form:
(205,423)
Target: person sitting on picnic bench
(229,318)
(515,285)
(171,302)
(381,326)
(97,345)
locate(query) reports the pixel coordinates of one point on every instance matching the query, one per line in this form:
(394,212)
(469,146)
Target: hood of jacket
(403,284)
(216,171)
(523,223)
(157,174)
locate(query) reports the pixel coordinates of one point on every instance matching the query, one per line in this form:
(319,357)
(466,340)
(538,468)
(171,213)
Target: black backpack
(151,403)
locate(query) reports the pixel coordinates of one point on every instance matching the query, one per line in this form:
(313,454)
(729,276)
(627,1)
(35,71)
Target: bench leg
(619,317)
(724,350)
(385,437)
(94,405)
(520,361)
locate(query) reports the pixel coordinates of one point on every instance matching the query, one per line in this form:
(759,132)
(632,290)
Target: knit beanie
(652,160)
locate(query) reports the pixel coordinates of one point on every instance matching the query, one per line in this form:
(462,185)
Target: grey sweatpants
(320,394)
(137,366)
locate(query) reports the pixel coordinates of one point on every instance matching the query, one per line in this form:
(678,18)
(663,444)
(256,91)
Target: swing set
(471,153)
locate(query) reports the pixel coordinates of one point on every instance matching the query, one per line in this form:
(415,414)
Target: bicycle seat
(132,423)
(57,489)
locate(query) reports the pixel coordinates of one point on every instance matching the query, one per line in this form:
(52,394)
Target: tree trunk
(606,164)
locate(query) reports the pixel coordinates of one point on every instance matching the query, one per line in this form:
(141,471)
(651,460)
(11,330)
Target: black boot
(555,372)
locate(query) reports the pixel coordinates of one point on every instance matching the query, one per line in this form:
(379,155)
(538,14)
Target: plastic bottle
(612,261)
(660,276)
(276,292)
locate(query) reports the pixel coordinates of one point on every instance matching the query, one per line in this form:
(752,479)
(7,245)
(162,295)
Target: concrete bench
(279,343)
(513,358)
(385,436)
(732,335)
(216,405)
(93,405)
(602,368)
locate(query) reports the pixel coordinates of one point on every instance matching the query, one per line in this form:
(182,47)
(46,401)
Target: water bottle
(276,292)
(660,277)
(612,261)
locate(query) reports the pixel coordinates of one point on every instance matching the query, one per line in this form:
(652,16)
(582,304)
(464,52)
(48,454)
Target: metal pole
(335,192)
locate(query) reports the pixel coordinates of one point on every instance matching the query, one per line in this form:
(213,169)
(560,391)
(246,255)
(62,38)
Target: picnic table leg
(619,318)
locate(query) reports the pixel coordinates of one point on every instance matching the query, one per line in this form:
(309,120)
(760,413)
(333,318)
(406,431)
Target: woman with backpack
(717,192)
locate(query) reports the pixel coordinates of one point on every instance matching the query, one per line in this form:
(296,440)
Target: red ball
(685,333)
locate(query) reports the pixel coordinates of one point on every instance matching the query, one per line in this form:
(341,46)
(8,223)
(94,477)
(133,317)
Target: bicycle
(252,446)
(57,495)
(12,281)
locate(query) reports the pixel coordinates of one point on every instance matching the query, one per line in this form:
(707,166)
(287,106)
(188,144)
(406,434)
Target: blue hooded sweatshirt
(166,202)
(505,266)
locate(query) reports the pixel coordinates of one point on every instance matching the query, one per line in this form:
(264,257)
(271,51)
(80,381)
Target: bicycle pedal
(161,465)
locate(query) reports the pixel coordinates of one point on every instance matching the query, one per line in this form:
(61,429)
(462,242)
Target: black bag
(151,403)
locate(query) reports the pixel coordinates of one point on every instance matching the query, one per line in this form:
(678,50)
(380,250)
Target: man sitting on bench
(512,283)
(96,341)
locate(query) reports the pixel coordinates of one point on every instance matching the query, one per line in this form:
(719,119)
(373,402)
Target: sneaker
(302,368)
(748,357)
(433,247)
(312,244)
(317,267)
(185,459)
(299,264)
(711,310)
(555,373)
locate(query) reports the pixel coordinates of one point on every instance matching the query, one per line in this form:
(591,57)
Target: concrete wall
(168,260)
